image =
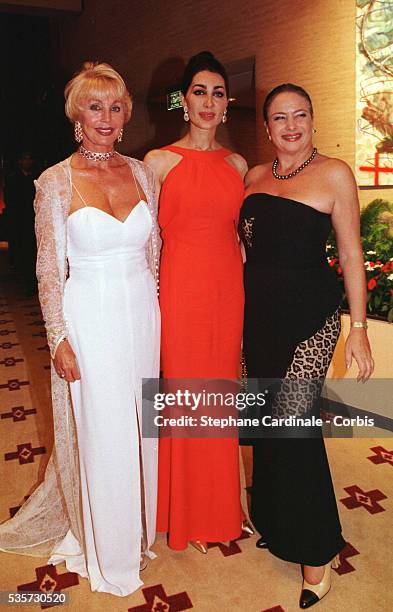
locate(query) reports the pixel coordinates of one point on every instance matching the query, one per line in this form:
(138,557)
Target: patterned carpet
(233,576)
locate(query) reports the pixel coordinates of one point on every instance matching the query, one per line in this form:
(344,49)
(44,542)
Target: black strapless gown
(291,327)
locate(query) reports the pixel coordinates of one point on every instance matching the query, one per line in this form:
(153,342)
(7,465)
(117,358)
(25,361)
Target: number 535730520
(26,598)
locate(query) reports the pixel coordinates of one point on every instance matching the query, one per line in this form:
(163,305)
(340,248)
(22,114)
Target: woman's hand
(65,362)
(357,346)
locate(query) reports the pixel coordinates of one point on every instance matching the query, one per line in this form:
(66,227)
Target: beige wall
(311,43)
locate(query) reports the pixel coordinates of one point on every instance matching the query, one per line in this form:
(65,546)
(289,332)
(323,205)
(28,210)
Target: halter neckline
(196,152)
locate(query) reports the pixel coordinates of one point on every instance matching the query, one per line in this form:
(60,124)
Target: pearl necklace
(93,156)
(295,172)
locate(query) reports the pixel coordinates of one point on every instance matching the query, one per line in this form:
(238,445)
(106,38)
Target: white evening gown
(112,314)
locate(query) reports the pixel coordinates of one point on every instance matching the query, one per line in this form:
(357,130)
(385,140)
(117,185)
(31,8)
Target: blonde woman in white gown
(97,269)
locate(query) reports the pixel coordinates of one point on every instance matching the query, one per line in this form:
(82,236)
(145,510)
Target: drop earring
(78,133)
(224,117)
(186,116)
(120,136)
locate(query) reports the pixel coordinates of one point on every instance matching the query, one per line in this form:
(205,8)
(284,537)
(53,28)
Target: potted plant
(376,230)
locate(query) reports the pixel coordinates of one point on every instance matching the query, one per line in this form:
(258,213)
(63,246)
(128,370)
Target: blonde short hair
(95,80)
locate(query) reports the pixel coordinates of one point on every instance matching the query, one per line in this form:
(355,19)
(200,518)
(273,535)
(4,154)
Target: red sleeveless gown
(202,302)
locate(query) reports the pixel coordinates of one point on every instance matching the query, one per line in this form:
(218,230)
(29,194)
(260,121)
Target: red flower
(372,283)
(339,270)
(333,261)
(386,267)
(371,264)
(391,292)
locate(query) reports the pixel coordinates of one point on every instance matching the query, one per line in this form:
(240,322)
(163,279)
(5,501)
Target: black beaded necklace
(282,177)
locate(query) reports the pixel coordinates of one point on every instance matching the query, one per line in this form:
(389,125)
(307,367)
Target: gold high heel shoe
(201,546)
(246,526)
(312,593)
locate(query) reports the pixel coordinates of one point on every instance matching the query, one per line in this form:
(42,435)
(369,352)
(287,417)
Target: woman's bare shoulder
(159,159)
(154,156)
(256,174)
(334,168)
(238,162)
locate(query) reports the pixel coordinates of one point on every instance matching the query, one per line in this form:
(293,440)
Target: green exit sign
(173,100)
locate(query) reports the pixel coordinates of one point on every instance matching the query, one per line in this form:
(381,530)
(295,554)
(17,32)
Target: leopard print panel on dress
(305,376)
(247,230)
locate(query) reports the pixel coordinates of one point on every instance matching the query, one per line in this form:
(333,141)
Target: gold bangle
(362,324)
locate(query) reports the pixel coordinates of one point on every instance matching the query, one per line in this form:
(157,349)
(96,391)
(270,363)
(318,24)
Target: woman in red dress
(201,305)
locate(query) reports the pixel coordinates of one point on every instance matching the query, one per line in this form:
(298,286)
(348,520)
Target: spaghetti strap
(87,205)
(136,184)
(79,194)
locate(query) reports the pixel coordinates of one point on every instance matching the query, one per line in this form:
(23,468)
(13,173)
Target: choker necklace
(93,156)
(295,172)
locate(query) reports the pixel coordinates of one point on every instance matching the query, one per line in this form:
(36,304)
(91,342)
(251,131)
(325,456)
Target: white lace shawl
(54,507)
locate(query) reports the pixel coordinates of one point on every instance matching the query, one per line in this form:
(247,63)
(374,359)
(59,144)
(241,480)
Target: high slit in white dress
(113,322)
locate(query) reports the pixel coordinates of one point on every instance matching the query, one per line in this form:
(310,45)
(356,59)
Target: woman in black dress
(292,325)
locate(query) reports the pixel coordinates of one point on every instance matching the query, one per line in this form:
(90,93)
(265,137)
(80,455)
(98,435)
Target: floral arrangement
(376,230)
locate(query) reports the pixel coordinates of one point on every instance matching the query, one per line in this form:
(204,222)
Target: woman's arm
(346,223)
(49,282)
